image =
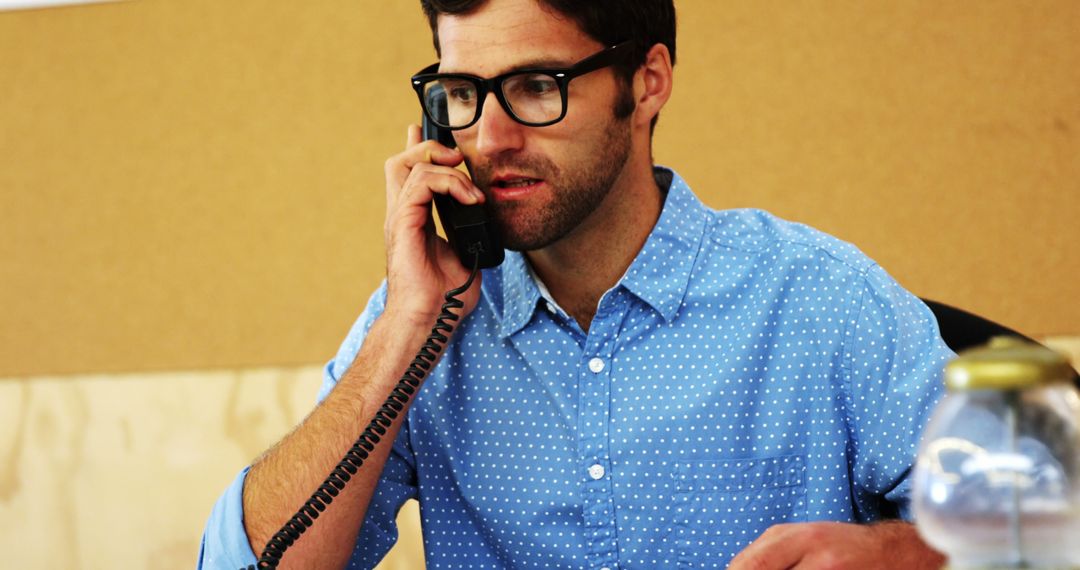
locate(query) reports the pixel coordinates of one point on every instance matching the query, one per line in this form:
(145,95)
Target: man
(643,383)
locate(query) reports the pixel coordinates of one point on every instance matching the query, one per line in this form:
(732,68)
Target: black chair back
(962,330)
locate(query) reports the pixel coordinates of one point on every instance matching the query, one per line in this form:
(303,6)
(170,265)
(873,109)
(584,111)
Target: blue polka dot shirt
(745,371)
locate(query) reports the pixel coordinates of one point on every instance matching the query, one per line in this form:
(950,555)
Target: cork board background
(190,184)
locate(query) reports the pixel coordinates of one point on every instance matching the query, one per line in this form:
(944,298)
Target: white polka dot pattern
(745,372)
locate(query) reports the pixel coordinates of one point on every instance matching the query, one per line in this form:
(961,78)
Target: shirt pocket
(721,506)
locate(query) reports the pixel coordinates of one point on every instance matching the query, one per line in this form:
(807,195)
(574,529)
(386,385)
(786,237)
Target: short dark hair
(648,22)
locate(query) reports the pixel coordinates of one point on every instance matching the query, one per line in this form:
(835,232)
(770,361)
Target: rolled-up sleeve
(225,543)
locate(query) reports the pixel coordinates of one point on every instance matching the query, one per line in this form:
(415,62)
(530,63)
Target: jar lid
(1006,363)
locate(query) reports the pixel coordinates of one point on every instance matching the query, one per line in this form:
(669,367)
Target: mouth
(517,182)
(514,186)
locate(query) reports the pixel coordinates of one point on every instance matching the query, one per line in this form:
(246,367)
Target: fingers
(414,176)
(826,544)
(417,152)
(426,179)
(778,548)
(413,136)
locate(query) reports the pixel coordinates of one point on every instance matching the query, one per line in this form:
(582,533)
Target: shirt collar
(519,293)
(661,271)
(659,275)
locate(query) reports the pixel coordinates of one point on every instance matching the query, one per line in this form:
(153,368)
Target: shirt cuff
(225,543)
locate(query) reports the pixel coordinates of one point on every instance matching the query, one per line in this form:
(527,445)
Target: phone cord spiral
(365,444)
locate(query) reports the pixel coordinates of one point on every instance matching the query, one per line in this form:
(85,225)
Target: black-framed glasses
(535,97)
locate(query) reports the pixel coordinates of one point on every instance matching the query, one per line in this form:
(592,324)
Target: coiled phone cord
(365,444)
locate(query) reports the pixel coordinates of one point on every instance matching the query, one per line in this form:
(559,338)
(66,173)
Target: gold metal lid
(1006,363)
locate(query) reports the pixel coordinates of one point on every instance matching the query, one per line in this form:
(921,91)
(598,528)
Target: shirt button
(596,365)
(596,471)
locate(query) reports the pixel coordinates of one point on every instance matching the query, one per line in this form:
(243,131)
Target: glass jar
(997,481)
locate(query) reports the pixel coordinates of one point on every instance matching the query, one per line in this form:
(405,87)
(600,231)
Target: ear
(652,84)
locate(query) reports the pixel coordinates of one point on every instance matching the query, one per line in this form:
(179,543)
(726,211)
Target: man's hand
(420,266)
(838,546)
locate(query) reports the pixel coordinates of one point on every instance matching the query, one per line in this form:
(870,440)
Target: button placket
(593,423)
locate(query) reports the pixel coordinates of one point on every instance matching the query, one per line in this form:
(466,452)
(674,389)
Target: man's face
(541,183)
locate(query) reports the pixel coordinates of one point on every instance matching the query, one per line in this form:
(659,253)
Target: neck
(584,264)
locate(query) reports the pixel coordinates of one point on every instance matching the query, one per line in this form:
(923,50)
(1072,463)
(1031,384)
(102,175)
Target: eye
(531,86)
(459,91)
(539,85)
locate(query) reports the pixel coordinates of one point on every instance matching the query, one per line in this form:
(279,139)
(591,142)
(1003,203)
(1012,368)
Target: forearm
(285,476)
(420,267)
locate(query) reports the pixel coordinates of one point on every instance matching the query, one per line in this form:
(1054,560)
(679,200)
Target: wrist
(401,317)
(901,539)
(389,346)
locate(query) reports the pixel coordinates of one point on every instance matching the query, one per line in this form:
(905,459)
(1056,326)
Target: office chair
(962,330)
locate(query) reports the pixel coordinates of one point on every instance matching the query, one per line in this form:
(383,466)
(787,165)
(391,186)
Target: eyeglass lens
(531,97)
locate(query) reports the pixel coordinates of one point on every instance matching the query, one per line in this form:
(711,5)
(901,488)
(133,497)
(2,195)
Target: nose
(496,130)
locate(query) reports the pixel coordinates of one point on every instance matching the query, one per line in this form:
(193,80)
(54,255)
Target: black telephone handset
(466,227)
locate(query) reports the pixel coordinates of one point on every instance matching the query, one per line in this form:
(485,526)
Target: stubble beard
(576,191)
